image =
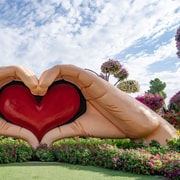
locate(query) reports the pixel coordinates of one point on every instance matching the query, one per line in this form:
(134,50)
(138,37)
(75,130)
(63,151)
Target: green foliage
(72,153)
(118,154)
(174,144)
(44,154)
(149,160)
(64,171)
(126,143)
(157,87)
(173,118)
(154,143)
(12,150)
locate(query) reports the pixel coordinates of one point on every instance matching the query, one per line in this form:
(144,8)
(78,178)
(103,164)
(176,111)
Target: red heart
(60,104)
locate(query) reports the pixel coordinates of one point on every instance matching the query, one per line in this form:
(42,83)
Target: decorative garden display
(67,101)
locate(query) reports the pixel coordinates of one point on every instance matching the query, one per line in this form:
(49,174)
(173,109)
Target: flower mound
(149,161)
(177,39)
(117,154)
(173,118)
(129,86)
(153,101)
(122,74)
(175,102)
(111,67)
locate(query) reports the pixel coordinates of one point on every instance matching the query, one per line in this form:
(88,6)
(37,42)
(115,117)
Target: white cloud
(87,33)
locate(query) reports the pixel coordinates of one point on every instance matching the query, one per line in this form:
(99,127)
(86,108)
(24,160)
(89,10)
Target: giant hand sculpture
(108,112)
(7,75)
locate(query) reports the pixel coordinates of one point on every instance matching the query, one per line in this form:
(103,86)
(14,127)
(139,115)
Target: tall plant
(177,39)
(157,87)
(114,68)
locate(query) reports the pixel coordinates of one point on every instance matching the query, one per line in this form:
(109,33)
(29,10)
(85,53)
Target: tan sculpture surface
(110,112)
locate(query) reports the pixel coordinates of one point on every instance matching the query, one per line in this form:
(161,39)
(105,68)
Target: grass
(54,171)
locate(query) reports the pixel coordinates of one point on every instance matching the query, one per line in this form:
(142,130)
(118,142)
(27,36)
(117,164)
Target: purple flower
(175,98)
(153,101)
(177,39)
(111,67)
(178,45)
(122,74)
(174,102)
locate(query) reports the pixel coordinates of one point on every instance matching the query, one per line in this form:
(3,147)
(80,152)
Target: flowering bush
(43,153)
(172,114)
(153,101)
(174,103)
(14,151)
(170,165)
(177,39)
(129,86)
(111,67)
(72,153)
(122,74)
(174,144)
(154,160)
(173,118)
(149,160)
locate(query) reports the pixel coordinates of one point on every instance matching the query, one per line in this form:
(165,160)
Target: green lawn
(62,171)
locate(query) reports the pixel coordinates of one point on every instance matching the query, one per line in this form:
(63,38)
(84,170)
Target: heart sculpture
(60,105)
(41,110)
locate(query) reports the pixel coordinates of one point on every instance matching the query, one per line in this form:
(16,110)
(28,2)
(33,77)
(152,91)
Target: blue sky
(140,34)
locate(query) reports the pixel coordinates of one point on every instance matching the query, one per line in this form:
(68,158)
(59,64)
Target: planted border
(123,155)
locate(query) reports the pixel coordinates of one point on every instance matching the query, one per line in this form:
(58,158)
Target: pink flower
(177,39)
(150,164)
(153,101)
(111,67)
(122,74)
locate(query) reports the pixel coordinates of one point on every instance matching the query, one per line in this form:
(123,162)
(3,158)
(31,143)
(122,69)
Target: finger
(18,73)
(47,78)
(11,130)
(132,118)
(70,73)
(117,106)
(89,124)
(164,132)
(7,75)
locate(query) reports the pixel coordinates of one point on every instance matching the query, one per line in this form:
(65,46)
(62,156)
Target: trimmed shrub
(12,150)
(44,153)
(117,154)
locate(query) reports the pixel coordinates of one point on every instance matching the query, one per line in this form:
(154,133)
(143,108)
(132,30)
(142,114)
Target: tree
(157,87)
(113,67)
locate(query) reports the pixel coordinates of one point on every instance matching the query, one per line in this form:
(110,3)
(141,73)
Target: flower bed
(117,154)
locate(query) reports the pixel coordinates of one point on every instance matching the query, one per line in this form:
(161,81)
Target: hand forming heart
(109,112)
(62,104)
